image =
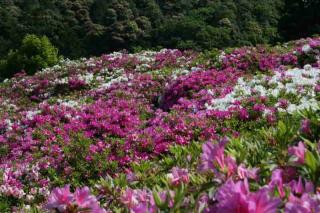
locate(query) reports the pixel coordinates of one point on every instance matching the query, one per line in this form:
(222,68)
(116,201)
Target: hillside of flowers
(235,131)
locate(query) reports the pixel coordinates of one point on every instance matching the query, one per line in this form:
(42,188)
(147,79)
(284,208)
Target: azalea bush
(168,131)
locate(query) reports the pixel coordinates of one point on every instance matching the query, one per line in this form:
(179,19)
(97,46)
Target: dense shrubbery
(35,53)
(165,131)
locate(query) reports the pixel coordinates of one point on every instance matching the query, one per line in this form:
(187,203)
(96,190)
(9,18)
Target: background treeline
(91,27)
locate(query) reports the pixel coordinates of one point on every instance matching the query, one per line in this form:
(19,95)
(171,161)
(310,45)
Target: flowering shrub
(167,131)
(308,53)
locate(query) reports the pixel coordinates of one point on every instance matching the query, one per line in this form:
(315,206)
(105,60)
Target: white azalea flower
(306,48)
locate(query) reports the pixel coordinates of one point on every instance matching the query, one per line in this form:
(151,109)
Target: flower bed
(165,131)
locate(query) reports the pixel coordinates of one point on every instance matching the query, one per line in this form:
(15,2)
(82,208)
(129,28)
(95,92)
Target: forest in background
(91,27)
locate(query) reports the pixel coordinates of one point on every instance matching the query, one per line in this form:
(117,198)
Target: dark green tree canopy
(91,27)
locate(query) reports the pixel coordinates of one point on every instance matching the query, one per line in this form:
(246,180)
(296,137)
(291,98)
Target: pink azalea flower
(167,196)
(214,159)
(98,209)
(298,188)
(138,201)
(304,204)
(298,152)
(84,199)
(306,127)
(277,181)
(247,173)
(60,198)
(236,197)
(317,88)
(178,176)
(261,202)
(232,197)
(243,114)
(131,177)
(129,199)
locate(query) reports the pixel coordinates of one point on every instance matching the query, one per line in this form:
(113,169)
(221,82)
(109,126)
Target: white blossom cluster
(122,78)
(69,103)
(297,83)
(146,57)
(30,114)
(87,78)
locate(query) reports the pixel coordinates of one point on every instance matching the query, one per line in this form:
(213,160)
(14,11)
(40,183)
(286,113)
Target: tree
(91,27)
(301,19)
(34,54)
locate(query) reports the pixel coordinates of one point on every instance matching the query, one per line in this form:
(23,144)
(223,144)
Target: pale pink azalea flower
(299,152)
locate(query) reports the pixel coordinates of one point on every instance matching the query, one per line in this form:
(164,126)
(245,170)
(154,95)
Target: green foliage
(34,54)
(92,27)
(77,153)
(7,202)
(313,118)
(300,19)
(210,58)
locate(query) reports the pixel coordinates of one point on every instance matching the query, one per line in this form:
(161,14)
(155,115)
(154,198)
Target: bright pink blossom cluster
(62,200)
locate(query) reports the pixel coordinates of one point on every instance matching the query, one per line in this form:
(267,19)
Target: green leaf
(179,195)
(311,161)
(157,199)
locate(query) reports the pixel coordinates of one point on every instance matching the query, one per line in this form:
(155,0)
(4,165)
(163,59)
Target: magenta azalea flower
(243,114)
(299,152)
(283,103)
(129,198)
